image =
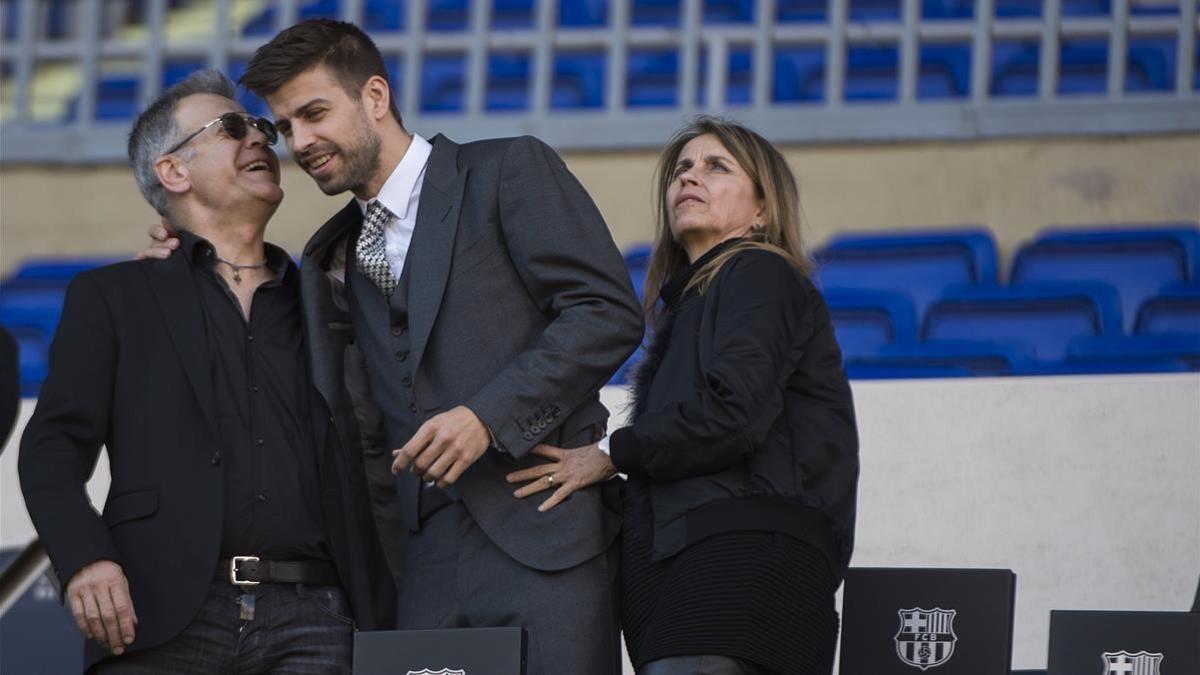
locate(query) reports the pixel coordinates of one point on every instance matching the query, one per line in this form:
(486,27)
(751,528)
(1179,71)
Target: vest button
(406,380)
(528,435)
(401,355)
(397,330)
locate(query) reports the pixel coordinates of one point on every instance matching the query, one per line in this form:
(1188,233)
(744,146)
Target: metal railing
(702,49)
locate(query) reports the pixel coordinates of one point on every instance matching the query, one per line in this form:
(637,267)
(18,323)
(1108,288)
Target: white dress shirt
(401,193)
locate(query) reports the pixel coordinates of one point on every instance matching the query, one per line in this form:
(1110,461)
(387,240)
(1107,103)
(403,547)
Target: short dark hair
(341,47)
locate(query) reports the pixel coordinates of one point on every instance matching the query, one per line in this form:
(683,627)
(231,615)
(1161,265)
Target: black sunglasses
(235,126)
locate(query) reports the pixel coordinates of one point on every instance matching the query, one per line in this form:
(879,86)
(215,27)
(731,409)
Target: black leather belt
(248,570)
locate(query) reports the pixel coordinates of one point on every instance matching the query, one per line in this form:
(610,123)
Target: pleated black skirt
(763,597)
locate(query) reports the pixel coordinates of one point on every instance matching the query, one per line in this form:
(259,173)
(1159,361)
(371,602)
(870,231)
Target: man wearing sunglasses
(463,308)
(234,535)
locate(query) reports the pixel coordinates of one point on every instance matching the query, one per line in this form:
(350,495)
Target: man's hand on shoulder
(163,242)
(444,447)
(98,595)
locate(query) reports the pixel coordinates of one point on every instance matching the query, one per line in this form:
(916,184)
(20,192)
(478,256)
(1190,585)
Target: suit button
(401,356)
(260,442)
(216,459)
(406,381)
(528,435)
(397,331)
(412,407)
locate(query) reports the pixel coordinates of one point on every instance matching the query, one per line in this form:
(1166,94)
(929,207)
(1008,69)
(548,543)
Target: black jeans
(708,664)
(295,629)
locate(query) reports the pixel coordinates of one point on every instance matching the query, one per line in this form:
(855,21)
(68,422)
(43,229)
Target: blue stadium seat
(1185,348)
(447,15)
(1184,235)
(799,74)
(801,11)
(656,12)
(443,80)
(945,71)
(508,81)
(385,15)
(728,11)
(980,357)
(1014,68)
(1176,309)
(947,9)
(1083,66)
(33,350)
(1151,64)
(512,13)
(651,78)
(1137,266)
(578,80)
(870,370)
(35,304)
(582,13)
(874,10)
(1103,366)
(866,320)
(1044,316)
(872,72)
(637,261)
(1018,9)
(58,269)
(921,263)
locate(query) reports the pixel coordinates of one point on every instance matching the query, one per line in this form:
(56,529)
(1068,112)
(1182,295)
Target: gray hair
(155,130)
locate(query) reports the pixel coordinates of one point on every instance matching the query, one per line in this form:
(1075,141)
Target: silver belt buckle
(233,563)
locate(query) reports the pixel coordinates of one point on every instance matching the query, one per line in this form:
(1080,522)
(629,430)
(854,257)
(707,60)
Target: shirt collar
(396,192)
(200,251)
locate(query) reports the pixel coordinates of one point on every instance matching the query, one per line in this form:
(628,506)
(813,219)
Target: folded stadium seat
(1014,67)
(655,12)
(947,9)
(637,261)
(33,349)
(1184,235)
(945,71)
(582,12)
(1046,316)
(1132,348)
(1137,262)
(920,264)
(983,357)
(651,77)
(728,11)
(877,370)
(866,320)
(35,304)
(1176,309)
(446,15)
(58,269)
(389,14)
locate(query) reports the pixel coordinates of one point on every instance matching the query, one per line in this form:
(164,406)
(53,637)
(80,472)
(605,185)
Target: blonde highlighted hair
(774,184)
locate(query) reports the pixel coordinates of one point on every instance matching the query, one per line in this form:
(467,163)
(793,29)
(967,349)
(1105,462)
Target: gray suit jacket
(520,308)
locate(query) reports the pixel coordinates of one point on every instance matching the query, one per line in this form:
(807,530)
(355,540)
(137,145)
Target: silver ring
(550,479)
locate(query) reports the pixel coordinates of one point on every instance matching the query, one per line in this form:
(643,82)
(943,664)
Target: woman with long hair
(742,451)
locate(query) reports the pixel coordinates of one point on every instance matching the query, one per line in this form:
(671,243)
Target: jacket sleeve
(567,261)
(62,442)
(758,323)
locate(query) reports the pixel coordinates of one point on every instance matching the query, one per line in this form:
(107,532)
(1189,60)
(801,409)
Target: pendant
(237,276)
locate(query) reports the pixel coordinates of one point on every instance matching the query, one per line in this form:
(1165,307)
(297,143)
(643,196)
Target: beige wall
(1014,186)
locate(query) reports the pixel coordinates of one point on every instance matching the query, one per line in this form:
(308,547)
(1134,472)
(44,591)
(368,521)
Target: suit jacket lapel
(432,245)
(178,298)
(318,305)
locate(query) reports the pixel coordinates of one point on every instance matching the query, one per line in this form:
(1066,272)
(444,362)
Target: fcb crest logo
(443,671)
(1124,663)
(926,637)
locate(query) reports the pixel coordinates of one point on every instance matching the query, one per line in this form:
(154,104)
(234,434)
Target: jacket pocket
(131,505)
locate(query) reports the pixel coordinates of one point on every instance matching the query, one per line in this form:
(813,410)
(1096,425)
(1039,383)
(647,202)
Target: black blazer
(743,395)
(129,371)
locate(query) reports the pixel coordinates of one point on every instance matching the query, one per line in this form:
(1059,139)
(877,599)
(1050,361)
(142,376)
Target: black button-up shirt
(263,403)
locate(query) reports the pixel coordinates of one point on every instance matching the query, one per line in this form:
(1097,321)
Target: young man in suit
(234,533)
(464,307)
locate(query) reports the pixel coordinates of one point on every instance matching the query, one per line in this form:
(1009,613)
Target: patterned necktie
(371,250)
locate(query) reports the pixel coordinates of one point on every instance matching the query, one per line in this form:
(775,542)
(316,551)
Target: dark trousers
(700,665)
(455,577)
(296,629)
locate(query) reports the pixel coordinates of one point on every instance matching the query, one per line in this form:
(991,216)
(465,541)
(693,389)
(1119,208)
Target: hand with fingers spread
(569,470)
(163,242)
(444,447)
(99,598)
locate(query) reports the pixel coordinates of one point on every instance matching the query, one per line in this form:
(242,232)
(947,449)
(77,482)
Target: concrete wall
(1087,487)
(1015,187)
